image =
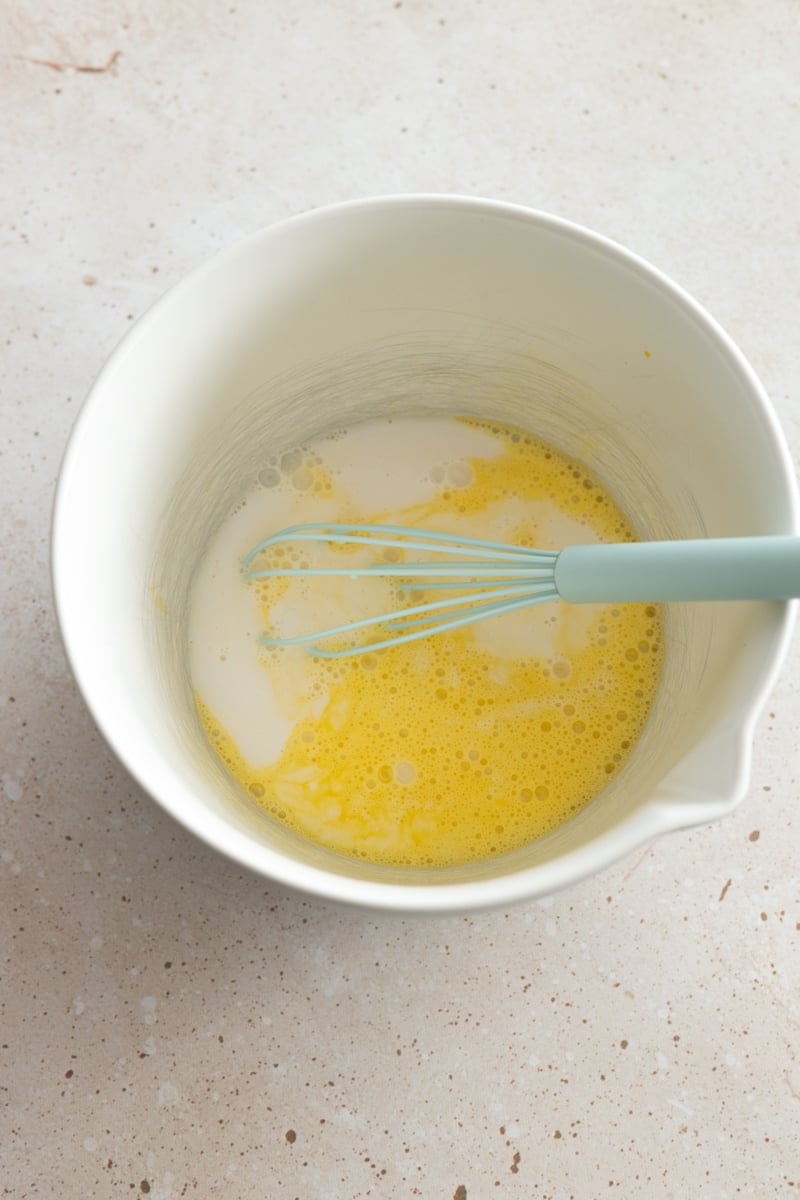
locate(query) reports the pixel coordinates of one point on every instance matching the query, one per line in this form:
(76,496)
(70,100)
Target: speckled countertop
(173,1027)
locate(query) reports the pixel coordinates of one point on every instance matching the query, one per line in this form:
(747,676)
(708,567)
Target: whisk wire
(401,537)
(531,580)
(479,612)
(422,570)
(405,617)
(482,613)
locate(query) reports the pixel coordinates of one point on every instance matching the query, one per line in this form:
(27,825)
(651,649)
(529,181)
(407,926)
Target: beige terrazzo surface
(173,1027)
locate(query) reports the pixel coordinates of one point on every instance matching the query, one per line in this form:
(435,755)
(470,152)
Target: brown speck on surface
(557,1133)
(144,1186)
(754,836)
(624,1044)
(644,855)
(514,1168)
(763,916)
(460,1193)
(89,280)
(724,891)
(291,1136)
(81,68)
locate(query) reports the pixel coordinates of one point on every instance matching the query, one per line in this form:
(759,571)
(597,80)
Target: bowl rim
(544,879)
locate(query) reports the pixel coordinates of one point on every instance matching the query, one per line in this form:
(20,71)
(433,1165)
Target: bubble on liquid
(460,474)
(291,461)
(405,773)
(561,668)
(270,477)
(302,479)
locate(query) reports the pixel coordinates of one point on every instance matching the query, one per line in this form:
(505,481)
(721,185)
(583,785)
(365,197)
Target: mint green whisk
(487,578)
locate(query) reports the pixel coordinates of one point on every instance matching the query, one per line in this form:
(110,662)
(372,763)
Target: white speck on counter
(12,788)
(168,1095)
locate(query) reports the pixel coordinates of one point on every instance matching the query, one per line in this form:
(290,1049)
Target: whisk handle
(751,568)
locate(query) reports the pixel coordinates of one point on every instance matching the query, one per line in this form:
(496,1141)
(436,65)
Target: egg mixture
(448,750)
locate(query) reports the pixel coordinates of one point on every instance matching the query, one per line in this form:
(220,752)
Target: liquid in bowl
(446,751)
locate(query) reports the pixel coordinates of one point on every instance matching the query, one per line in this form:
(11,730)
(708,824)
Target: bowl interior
(400,307)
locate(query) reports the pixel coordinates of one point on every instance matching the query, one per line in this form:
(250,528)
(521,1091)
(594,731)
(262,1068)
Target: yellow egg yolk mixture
(448,750)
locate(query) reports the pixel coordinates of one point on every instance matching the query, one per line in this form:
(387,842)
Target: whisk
(488,578)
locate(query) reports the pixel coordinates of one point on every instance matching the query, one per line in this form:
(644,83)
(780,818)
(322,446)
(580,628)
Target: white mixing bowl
(408,304)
